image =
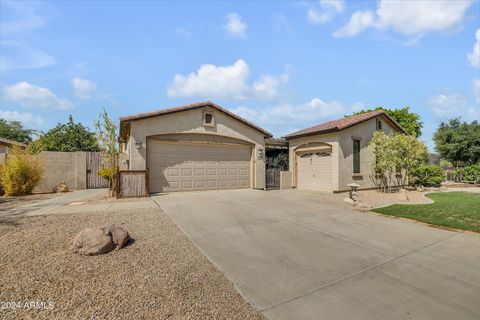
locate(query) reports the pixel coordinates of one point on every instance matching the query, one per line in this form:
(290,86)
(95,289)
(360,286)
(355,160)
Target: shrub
(470,173)
(428,175)
(107,173)
(21,172)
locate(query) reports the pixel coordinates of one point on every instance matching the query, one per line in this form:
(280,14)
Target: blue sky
(283,65)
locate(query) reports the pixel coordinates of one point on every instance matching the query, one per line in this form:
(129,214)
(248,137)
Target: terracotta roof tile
(343,123)
(139,116)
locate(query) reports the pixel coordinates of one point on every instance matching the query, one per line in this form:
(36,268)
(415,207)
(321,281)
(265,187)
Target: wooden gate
(94,164)
(272,179)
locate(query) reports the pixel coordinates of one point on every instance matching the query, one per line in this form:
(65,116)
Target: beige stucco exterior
(190,124)
(342,153)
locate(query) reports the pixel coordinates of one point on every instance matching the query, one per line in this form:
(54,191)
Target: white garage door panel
(314,171)
(189,167)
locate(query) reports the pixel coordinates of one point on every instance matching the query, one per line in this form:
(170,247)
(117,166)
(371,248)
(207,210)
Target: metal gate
(94,164)
(272,179)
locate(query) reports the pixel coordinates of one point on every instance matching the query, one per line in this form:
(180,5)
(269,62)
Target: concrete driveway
(295,258)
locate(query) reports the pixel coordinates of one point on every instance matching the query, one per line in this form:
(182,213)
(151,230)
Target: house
(333,154)
(7,144)
(199,146)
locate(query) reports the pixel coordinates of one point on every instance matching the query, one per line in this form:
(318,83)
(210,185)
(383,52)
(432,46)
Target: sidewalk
(45,206)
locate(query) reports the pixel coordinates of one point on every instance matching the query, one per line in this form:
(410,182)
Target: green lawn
(459,210)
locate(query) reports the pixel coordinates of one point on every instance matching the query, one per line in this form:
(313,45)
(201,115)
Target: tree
(458,142)
(395,155)
(14,130)
(67,137)
(107,136)
(410,121)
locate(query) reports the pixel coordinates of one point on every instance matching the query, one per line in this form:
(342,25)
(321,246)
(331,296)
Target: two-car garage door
(189,166)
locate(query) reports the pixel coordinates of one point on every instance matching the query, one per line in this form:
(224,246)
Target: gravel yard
(374,198)
(162,275)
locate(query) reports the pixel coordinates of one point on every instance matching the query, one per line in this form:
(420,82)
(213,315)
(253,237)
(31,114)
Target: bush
(21,172)
(470,173)
(107,173)
(427,175)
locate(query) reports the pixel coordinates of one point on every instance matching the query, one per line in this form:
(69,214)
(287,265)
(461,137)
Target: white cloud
(211,81)
(414,18)
(183,32)
(235,27)
(287,117)
(18,50)
(474,56)
(359,21)
(26,17)
(220,82)
(267,86)
(83,88)
(445,105)
(19,55)
(316,17)
(327,10)
(336,5)
(476,89)
(27,118)
(31,96)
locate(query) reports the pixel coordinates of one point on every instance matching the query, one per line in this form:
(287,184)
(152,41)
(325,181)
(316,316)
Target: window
(379,125)
(208,119)
(356,156)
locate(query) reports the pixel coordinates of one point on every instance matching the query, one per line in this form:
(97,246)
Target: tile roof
(139,116)
(343,123)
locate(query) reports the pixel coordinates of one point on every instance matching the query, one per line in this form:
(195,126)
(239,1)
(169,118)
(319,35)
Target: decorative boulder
(61,187)
(95,241)
(92,242)
(119,235)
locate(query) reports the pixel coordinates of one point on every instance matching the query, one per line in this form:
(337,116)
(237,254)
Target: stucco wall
(67,167)
(364,132)
(191,122)
(342,154)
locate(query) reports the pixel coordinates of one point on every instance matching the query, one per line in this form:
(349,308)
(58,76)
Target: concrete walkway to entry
(295,258)
(48,205)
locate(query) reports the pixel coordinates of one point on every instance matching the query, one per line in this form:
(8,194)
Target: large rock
(119,235)
(61,187)
(93,241)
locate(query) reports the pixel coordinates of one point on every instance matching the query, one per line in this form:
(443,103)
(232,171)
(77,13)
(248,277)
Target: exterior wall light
(260,153)
(138,145)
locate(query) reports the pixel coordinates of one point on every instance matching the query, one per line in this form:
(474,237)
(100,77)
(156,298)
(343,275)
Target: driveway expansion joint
(357,273)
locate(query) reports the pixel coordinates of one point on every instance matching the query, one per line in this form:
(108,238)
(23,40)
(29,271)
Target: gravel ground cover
(374,198)
(20,201)
(162,275)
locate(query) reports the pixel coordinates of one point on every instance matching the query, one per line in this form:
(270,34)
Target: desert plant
(21,172)
(427,175)
(107,173)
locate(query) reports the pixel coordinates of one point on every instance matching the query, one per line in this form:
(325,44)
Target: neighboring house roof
(9,142)
(343,123)
(186,107)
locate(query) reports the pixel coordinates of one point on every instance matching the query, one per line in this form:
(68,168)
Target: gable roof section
(343,123)
(186,107)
